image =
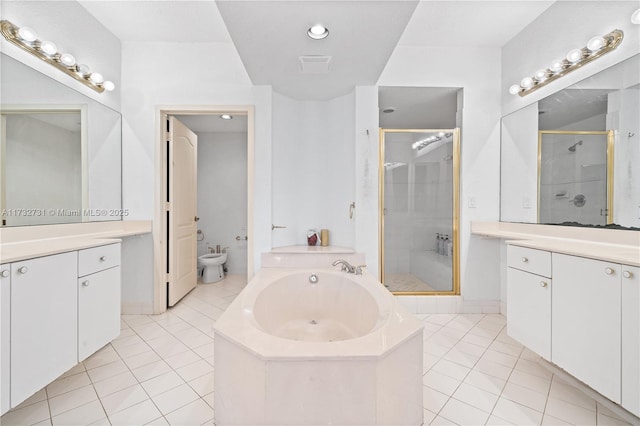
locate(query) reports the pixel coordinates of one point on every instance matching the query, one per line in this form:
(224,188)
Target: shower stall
(419,197)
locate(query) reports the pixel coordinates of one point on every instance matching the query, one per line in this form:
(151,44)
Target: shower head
(572,148)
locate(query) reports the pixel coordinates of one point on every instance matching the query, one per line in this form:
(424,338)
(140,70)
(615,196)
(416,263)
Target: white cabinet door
(586,327)
(44,322)
(631,339)
(98,310)
(5,332)
(529,310)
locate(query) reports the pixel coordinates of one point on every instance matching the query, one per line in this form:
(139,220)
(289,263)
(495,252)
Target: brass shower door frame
(610,153)
(455,264)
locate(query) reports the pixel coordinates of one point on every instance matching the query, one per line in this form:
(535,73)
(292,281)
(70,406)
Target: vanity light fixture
(318,32)
(418,145)
(27,39)
(226,116)
(576,58)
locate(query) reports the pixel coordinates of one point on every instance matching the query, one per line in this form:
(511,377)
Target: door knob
(22,270)
(196,218)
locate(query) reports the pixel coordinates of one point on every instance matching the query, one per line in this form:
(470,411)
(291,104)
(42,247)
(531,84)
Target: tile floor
(406,282)
(160,371)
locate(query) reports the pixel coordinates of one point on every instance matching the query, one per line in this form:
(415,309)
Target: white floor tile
(441,421)
(476,397)
(29,415)
(142,359)
(78,368)
(106,371)
(203,385)
(123,399)
(485,382)
(500,358)
(176,398)
(161,421)
(83,415)
(104,356)
(67,384)
(570,413)
(132,350)
(530,381)
(438,381)
(195,413)
(195,370)
(516,413)
(565,392)
(137,414)
(463,414)
(114,384)
(41,395)
(451,369)
(182,359)
(150,371)
(493,369)
(524,396)
(162,383)
(433,400)
(428,417)
(73,399)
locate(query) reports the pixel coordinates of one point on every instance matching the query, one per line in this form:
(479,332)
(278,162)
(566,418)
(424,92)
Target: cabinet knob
(525,260)
(609,271)
(4,273)
(626,274)
(103,258)
(543,284)
(22,270)
(85,283)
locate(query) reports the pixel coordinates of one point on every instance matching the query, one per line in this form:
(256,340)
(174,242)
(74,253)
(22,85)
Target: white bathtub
(339,351)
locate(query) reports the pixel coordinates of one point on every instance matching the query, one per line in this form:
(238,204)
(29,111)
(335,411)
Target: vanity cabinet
(529,298)
(56,311)
(630,282)
(98,298)
(44,322)
(5,334)
(586,327)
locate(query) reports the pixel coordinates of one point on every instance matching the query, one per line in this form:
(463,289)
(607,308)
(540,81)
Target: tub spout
(345,266)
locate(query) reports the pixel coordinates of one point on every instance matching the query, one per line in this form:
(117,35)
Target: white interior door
(183,150)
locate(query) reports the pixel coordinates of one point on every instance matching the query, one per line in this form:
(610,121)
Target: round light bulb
(226,116)
(595,43)
(441,134)
(556,66)
(540,75)
(67,60)
(96,78)
(635,17)
(27,34)
(527,83)
(109,86)
(318,32)
(515,89)
(574,55)
(84,70)
(48,48)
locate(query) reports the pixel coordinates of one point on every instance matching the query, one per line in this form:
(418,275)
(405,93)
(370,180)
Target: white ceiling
(271,35)
(203,123)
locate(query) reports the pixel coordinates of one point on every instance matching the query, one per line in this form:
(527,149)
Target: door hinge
(168,278)
(167,136)
(167,206)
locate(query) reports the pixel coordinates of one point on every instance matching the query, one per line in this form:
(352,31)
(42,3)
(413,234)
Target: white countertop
(610,245)
(22,243)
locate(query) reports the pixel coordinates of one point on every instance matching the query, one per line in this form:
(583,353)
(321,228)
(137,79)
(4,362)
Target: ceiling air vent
(314,64)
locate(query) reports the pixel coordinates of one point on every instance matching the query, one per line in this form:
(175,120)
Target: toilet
(212,264)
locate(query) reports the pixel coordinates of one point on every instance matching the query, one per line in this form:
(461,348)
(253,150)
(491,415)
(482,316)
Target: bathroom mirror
(574,156)
(60,152)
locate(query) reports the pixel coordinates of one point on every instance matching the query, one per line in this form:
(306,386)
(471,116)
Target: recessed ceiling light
(318,32)
(389,110)
(226,116)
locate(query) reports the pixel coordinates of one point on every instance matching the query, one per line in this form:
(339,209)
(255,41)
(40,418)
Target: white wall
(477,71)
(313,169)
(222,196)
(157,75)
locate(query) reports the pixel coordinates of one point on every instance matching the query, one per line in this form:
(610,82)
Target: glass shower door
(419,220)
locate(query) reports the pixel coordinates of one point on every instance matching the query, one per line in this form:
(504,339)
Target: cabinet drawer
(98,259)
(530,260)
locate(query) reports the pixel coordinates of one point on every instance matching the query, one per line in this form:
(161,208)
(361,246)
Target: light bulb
(84,70)
(27,34)
(96,78)
(226,116)
(527,83)
(67,60)
(318,32)
(635,17)
(515,89)
(109,86)
(556,66)
(574,55)
(595,43)
(48,48)
(540,75)
(441,134)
